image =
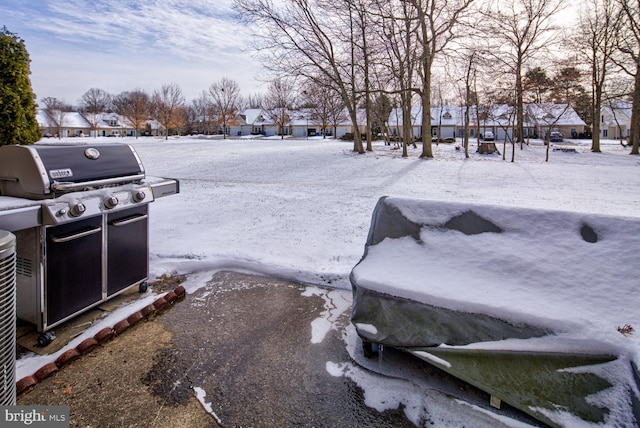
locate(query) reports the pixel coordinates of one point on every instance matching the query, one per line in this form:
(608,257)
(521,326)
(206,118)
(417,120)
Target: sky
(301,210)
(122,45)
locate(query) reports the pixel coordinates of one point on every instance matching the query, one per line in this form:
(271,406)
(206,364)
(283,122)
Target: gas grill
(80,215)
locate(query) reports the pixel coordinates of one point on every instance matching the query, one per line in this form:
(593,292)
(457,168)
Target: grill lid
(46,171)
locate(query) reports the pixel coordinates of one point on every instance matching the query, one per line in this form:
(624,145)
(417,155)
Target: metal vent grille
(7,319)
(24,267)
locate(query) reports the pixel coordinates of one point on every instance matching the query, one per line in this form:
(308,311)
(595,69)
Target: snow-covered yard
(301,209)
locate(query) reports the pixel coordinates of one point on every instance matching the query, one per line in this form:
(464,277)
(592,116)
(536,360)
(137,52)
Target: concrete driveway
(243,351)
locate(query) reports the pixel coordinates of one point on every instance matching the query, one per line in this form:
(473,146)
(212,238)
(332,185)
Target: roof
(44,121)
(70,119)
(617,113)
(254,116)
(557,114)
(491,115)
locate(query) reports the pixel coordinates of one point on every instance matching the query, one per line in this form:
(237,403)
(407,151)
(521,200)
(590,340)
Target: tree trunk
(427,149)
(519,137)
(634,134)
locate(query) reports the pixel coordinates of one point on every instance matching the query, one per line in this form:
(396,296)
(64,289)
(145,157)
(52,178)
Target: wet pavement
(257,352)
(250,348)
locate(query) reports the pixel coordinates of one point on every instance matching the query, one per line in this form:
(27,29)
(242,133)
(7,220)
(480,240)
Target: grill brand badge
(92,153)
(61,173)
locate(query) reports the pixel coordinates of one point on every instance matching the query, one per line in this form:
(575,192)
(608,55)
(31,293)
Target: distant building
(615,120)
(449,121)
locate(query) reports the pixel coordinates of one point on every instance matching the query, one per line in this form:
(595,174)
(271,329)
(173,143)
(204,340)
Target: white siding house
(615,121)
(448,121)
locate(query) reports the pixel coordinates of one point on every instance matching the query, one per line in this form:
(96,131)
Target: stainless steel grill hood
(48,171)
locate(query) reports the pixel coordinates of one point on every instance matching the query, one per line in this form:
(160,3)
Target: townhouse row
(447,121)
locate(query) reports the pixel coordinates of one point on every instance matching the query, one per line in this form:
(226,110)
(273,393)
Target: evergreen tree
(18,123)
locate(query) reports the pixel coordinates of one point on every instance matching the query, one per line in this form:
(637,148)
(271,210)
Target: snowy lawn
(301,209)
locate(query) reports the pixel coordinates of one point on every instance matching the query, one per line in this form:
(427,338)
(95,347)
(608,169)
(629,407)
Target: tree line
(476,53)
(372,55)
(213,112)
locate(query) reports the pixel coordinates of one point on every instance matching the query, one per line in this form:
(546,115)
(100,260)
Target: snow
(200,395)
(538,270)
(301,210)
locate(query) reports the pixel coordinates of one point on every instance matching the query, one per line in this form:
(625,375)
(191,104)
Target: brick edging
(98,339)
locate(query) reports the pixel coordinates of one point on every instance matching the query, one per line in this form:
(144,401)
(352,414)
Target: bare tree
(522,29)
(436,24)
(399,22)
(278,101)
(252,101)
(629,45)
(322,103)
(57,111)
(166,106)
(296,41)
(93,104)
(595,39)
(201,114)
(135,106)
(364,28)
(381,109)
(225,96)
(468,94)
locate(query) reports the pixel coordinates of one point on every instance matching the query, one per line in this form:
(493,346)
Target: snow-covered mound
(488,278)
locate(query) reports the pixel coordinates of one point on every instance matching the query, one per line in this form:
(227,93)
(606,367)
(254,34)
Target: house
(445,121)
(306,123)
(153,128)
(48,128)
(252,121)
(62,123)
(114,125)
(448,121)
(615,120)
(547,117)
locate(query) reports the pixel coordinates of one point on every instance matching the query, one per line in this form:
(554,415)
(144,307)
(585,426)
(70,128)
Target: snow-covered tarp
(447,280)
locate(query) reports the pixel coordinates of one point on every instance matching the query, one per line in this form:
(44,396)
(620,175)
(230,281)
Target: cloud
(120,45)
(188,29)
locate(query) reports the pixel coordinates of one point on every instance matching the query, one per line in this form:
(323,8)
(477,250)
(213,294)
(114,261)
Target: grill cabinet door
(127,248)
(73,268)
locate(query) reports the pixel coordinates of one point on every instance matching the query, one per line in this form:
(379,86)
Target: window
(605,133)
(113,122)
(447,115)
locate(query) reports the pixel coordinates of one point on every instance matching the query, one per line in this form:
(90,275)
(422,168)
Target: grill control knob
(139,196)
(111,202)
(77,210)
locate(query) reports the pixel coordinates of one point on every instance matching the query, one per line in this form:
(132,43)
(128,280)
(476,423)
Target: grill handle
(79,235)
(67,186)
(129,220)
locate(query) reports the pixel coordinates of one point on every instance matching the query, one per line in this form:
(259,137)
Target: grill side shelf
(163,186)
(13,219)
